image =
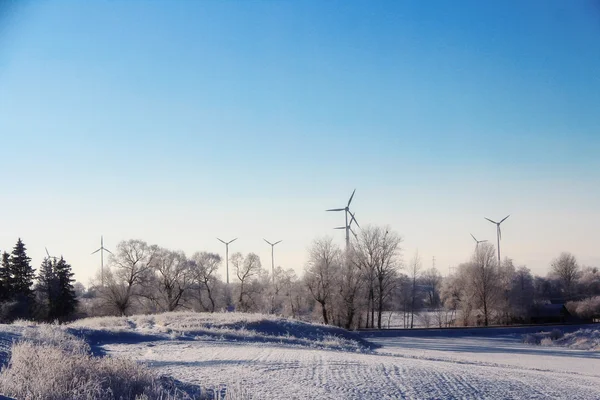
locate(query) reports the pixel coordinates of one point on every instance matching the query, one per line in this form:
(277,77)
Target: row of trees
(49,296)
(364,286)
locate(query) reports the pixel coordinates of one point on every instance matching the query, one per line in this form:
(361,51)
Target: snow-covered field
(269,358)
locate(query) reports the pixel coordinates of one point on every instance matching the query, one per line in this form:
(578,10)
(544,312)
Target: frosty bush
(546,342)
(556,334)
(530,339)
(63,368)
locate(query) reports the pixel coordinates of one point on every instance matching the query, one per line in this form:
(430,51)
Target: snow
(273,358)
(582,339)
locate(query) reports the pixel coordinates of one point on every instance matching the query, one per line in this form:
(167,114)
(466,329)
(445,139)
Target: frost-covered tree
(131,266)
(320,273)
(377,252)
(247,269)
(483,280)
(169,279)
(566,270)
(204,269)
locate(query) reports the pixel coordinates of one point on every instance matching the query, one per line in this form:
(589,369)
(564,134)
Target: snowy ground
(468,364)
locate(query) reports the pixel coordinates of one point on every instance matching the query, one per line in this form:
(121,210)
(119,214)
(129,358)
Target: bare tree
(320,272)
(483,276)
(245,269)
(204,268)
(377,251)
(130,266)
(171,279)
(432,281)
(565,268)
(415,270)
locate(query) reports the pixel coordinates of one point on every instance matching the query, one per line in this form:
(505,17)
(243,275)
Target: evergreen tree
(46,290)
(66,300)
(22,275)
(5,279)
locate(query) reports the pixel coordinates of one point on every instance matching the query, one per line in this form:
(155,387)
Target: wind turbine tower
(102,249)
(498,233)
(227,254)
(272,257)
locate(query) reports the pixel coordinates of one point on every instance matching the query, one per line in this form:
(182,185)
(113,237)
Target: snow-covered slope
(272,358)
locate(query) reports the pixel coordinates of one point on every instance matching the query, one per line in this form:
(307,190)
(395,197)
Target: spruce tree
(66,300)
(5,279)
(46,290)
(22,275)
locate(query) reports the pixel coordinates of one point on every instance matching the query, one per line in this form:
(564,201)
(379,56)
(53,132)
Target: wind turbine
(102,249)
(49,256)
(348,226)
(498,233)
(227,254)
(477,241)
(272,257)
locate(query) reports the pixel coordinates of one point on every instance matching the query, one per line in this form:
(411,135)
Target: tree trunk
(324,310)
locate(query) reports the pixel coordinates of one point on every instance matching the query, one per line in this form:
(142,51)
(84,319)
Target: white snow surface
(457,364)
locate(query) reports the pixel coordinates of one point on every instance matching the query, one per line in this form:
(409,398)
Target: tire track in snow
(279,372)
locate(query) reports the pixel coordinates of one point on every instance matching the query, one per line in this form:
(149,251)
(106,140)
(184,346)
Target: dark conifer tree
(46,290)
(66,300)
(22,275)
(5,279)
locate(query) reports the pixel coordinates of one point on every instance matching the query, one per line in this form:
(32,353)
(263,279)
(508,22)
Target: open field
(253,355)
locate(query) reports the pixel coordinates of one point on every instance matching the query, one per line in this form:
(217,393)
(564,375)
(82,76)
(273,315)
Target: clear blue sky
(179,121)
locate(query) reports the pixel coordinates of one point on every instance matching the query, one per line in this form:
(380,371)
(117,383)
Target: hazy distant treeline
(353,288)
(358,287)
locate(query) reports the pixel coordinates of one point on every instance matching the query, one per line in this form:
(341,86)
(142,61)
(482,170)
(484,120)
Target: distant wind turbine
(348,226)
(227,254)
(498,233)
(272,257)
(102,249)
(49,256)
(477,241)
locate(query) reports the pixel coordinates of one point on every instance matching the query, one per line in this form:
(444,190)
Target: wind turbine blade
(482,241)
(277,242)
(48,254)
(268,241)
(493,222)
(233,240)
(505,218)
(97,250)
(340,227)
(351,197)
(108,251)
(336,209)
(354,219)
(473,237)
(499,233)
(354,233)
(221,241)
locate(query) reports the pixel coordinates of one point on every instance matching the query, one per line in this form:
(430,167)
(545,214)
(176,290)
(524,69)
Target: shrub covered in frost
(530,338)
(63,368)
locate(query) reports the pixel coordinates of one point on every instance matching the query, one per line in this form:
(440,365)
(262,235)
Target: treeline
(368,285)
(362,287)
(48,297)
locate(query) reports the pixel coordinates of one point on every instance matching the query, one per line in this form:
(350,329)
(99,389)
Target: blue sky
(179,121)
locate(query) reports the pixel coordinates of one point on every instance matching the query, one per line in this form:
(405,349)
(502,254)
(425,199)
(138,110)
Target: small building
(551,314)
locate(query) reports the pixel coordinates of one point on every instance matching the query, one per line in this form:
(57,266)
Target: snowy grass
(48,363)
(582,339)
(236,327)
